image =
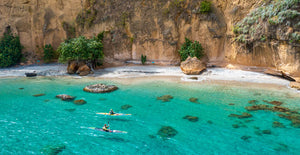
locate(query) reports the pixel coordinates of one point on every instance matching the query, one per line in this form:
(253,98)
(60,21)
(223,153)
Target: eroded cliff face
(154,28)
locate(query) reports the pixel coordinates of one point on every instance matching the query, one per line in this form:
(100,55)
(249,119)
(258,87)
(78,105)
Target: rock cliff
(153,28)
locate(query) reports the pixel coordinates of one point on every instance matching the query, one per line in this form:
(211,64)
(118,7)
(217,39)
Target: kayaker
(111,112)
(105,127)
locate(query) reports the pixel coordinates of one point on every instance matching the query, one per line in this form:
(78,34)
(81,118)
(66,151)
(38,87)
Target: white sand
(211,74)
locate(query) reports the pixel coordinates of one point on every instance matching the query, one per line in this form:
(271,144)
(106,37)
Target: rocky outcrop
(100,88)
(280,74)
(157,29)
(79,68)
(295,85)
(192,66)
(79,102)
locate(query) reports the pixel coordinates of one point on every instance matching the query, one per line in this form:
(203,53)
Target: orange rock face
(192,66)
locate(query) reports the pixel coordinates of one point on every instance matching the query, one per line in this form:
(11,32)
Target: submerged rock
(165,98)
(244,115)
(258,107)
(194,100)
(100,88)
(277,124)
(192,66)
(102,99)
(126,106)
(47,100)
(281,147)
(280,109)
(266,132)
(53,149)
(278,103)
(191,118)
(21,88)
(253,102)
(38,95)
(167,132)
(79,102)
(231,104)
(245,138)
(70,110)
(209,122)
(65,97)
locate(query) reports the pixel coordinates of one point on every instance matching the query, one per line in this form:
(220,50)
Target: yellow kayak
(115,114)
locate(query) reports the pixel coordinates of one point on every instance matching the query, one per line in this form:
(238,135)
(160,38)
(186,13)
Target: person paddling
(106,127)
(111,112)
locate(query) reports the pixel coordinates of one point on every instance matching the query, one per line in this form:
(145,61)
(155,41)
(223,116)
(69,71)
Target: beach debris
(277,124)
(243,115)
(165,98)
(245,137)
(100,88)
(70,110)
(253,102)
(126,106)
(79,102)
(53,149)
(167,132)
(278,103)
(191,118)
(65,97)
(194,100)
(38,95)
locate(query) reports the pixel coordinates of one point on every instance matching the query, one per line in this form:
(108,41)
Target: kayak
(115,114)
(112,131)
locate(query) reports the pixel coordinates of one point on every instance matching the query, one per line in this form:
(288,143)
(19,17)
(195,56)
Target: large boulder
(65,97)
(192,66)
(83,70)
(72,67)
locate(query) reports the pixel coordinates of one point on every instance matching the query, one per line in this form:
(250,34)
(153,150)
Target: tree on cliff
(10,49)
(81,49)
(192,49)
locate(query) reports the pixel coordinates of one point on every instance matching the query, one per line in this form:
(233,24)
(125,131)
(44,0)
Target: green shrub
(48,53)
(81,49)
(10,49)
(143,59)
(205,7)
(191,49)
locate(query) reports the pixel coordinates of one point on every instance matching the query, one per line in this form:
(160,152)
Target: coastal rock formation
(244,115)
(192,66)
(83,70)
(100,88)
(79,68)
(65,97)
(280,74)
(157,29)
(295,85)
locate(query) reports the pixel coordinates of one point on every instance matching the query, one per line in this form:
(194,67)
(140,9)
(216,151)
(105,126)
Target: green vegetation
(48,53)
(143,59)
(205,7)
(70,30)
(253,26)
(10,49)
(191,49)
(81,49)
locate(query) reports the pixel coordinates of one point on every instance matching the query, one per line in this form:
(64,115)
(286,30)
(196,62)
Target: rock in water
(38,95)
(65,97)
(167,132)
(191,118)
(165,98)
(193,99)
(100,88)
(244,115)
(53,149)
(277,124)
(79,102)
(192,66)
(125,107)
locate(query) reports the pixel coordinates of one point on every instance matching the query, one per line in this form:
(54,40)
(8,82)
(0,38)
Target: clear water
(28,124)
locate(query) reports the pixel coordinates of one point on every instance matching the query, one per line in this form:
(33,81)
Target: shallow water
(28,124)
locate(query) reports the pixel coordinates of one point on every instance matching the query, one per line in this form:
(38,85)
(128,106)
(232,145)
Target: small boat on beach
(33,74)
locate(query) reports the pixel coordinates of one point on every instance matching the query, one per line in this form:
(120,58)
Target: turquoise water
(28,124)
